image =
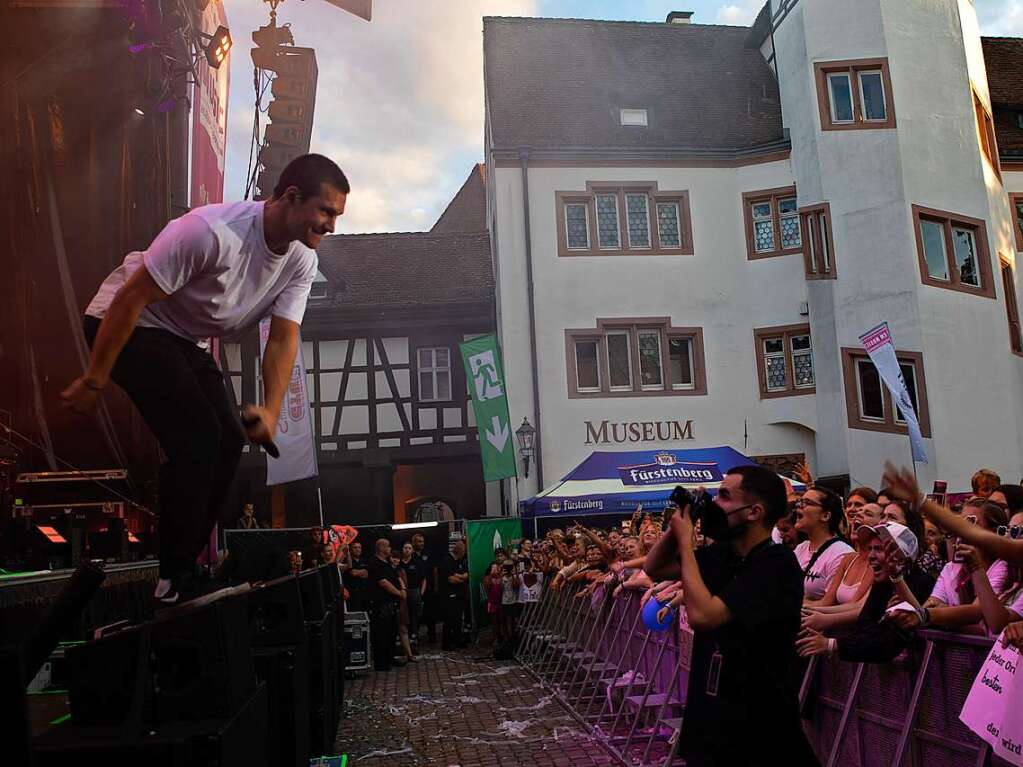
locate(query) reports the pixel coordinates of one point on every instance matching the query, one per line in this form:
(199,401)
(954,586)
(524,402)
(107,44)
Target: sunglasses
(1010,531)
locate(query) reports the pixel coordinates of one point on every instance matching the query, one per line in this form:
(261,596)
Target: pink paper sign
(992,709)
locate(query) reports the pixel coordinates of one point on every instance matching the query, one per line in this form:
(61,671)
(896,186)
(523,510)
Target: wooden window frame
(888,425)
(773,196)
(621,189)
(853,67)
(574,383)
(810,233)
(986,132)
(948,220)
(434,370)
(633,326)
(1011,305)
(786,332)
(1017,221)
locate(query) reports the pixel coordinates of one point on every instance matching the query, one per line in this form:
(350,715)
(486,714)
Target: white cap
(902,535)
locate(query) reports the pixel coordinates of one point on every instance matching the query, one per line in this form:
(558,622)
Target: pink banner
(209,119)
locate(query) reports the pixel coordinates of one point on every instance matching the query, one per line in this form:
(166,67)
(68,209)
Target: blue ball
(650,611)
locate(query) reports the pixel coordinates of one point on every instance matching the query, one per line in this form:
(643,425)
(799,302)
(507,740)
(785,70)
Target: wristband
(925,616)
(832,645)
(90,385)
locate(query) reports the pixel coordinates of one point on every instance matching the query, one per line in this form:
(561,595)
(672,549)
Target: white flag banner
(294,426)
(878,343)
(992,709)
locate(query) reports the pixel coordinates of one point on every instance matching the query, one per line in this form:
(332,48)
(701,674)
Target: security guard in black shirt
(743,597)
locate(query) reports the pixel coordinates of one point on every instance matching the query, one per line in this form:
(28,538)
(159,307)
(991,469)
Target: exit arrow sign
(485,374)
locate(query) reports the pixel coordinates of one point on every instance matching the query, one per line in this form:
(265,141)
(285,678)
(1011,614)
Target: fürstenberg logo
(638,431)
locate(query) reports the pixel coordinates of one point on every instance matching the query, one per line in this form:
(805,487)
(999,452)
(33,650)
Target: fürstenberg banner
(878,343)
(484,371)
(294,426)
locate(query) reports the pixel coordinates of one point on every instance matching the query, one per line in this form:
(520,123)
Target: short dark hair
(1013,497)
(308,172)
(767,487)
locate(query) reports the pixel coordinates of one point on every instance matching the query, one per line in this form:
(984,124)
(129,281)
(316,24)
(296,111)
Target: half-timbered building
(393,425)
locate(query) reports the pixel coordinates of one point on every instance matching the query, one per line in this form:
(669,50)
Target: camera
(698,504)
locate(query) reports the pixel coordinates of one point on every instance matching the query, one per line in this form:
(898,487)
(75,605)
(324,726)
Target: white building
(692,226)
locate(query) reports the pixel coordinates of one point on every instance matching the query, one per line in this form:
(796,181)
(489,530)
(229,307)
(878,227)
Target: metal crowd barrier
(623,683)
(626,685)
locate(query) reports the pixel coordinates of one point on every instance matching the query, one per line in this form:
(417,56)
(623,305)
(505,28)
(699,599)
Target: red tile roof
(467,211)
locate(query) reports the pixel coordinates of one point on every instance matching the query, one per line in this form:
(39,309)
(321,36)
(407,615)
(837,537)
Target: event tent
(615,482)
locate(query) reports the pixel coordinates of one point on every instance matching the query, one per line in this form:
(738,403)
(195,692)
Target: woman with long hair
(819,516)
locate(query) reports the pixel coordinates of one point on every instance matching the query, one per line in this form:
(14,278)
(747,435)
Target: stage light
(413,525)
(216,46)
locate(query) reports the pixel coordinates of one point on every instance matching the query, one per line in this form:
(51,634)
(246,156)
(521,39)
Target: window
(633,116)
(587,365)
(818,243)
(616,219)
(434,375)
(1016,203)
(952,251)
(577,225)
(317,291)
(854,95)
(638,212)
(868,403)
(635,357)
(986,134)
(1012,308)
(772,223)
(784,361)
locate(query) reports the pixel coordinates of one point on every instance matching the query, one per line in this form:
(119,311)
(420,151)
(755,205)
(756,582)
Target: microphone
(269,447)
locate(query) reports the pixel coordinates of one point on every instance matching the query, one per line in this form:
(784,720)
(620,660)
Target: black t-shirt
(755,712)
(415,572)
(451,566)
(873,639)
(382,570)
(354,583)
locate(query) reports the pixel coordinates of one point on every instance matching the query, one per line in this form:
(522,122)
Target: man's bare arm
(136,294)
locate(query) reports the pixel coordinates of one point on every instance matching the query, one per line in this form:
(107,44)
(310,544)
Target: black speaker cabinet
(236,741)
(323,713)
(314,596)
(285,672)
(275,614)
(201,661)
(109,678)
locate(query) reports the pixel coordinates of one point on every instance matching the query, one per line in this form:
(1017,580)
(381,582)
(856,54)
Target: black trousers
(454,612)
(181,395)
(383,630)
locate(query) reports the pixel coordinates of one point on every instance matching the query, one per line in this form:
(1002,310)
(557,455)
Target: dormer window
(635,117)
(318,290)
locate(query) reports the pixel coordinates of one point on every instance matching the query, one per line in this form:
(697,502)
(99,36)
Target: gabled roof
(1003,59)
(467,211)
(559,83)
(407,269)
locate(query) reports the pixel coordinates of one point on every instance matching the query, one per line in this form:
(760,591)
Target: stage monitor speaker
(109,678)
(236,741)
(275,614)
(323,713)
(285,671)
(314,597)
(201,661)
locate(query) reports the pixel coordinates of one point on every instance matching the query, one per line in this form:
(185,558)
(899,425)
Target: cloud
(1001,18)
(399,100)
(742,12)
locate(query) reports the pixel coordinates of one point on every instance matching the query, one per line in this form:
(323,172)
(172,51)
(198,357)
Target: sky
(399,101)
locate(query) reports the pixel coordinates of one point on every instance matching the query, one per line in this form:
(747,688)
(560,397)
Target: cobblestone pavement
(453,709)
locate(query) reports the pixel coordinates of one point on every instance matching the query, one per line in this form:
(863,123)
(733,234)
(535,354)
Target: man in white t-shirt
(214,272)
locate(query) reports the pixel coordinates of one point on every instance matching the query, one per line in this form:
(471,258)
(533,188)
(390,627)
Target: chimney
(680,17)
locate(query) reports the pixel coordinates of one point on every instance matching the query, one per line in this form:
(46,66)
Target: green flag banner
(485,535)
(483,368)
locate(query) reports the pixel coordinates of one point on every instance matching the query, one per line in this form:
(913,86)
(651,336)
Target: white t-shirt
(509,593)
(1017,605)
(219,274)
(945,586)
(815,582)
(531,593)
